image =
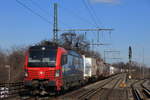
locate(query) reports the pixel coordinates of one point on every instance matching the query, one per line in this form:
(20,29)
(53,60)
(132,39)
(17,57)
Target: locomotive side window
(64,60)
(70,60)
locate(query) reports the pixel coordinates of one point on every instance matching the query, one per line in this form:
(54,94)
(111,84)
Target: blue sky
(129,18)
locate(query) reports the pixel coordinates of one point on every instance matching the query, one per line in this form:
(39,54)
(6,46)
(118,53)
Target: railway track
(112,93)
(136,94)
(106,92)
(139,91)
(146,91)
(136,90)
(84,93)
(88,92)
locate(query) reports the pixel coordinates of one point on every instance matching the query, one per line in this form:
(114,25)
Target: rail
(146,90)
(87,95)
(136,92)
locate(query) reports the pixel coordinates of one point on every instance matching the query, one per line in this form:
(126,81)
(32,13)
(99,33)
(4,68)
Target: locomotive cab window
(42,58)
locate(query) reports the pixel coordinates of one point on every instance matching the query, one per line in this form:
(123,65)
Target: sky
(130,20)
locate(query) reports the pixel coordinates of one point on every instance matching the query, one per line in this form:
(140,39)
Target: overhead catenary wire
(45,19)
(90,12)
(32,11)
(37,14)
(95,17)
(94,13)
(86,4)
(39,7)
(77,16)
(46,12)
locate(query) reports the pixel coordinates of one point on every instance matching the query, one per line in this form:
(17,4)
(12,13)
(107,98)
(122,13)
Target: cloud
(106,1)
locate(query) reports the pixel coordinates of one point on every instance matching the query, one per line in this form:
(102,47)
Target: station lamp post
(8,67)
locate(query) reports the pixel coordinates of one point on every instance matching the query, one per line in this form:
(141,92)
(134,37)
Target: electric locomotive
(52,69)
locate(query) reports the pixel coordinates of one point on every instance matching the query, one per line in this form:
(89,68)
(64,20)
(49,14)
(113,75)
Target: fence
(8,90)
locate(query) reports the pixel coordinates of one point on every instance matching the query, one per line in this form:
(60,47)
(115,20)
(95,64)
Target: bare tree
(16,61)
(2,58)
(3,74)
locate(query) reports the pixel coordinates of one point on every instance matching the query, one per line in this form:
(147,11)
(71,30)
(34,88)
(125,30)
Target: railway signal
(130,57)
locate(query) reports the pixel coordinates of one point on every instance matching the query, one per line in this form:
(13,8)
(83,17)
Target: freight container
(90,67)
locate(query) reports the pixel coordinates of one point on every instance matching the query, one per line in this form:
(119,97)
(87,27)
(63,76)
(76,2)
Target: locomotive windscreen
(42,58)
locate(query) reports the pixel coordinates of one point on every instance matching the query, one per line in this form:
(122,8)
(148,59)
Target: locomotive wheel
(80,84)
(66,87)
(63,90)
(57,93)
(35,92)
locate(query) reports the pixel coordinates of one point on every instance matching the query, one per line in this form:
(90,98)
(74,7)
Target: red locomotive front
(43,68)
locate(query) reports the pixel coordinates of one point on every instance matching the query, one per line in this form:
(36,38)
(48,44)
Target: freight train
(54,69)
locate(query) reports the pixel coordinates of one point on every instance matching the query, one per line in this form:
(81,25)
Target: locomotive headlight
(26,73)
(43,48)
(57,73)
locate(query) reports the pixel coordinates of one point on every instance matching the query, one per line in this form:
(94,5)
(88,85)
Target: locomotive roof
(74,53)
(40,47)
(71,52)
